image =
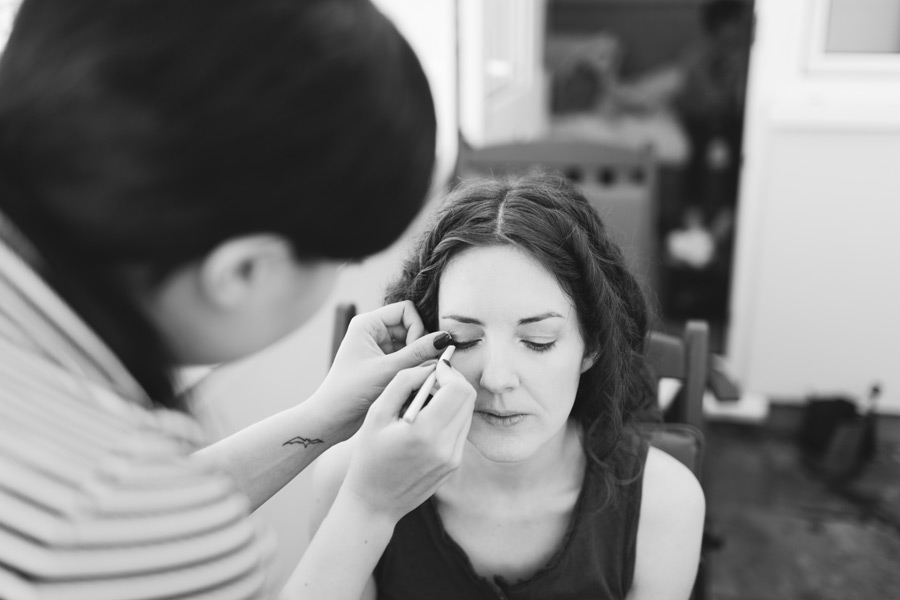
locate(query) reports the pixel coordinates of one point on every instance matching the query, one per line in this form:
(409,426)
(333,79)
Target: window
(855,36)
(863,27)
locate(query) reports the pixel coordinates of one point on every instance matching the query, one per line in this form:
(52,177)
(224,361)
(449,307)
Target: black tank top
(595,560)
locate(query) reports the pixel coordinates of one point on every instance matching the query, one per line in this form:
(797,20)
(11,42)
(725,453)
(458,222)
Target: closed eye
(538,347)
(534,346)
(461,345)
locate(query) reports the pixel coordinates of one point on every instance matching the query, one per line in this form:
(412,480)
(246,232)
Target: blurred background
(746,155)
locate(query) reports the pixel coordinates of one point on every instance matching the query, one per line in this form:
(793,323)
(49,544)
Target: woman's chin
(496,454)
(502,445)
(516,438)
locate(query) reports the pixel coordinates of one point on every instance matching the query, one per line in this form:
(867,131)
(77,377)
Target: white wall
(8,10)
(246,392)
(816,281)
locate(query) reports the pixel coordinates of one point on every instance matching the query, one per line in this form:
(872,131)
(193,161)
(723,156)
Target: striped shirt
(99,496)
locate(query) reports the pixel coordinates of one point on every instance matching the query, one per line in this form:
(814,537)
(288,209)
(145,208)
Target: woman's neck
(560,462)
(511,518)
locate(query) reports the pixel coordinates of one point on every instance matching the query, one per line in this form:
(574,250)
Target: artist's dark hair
(147,132)
(550,219)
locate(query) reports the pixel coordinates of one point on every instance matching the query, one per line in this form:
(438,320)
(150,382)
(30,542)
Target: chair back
(613,168)
(620,184)
(685,358)
(343,314)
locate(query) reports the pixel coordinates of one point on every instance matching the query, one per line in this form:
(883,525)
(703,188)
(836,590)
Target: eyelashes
(539,347)
(461,345)
(534,346)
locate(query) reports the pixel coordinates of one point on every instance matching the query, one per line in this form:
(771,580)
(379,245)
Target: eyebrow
(525,321)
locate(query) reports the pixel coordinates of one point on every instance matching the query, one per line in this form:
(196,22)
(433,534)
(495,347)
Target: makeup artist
(179,182)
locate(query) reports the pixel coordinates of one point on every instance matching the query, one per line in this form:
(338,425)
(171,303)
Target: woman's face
(518,343)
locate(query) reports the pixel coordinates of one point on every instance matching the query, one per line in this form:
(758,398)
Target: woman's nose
(498,372)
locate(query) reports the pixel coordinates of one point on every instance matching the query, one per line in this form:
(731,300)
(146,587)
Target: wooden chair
(343,314)
(686,359)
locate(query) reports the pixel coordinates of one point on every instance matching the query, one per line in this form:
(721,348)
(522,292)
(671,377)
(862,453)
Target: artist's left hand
(377,345)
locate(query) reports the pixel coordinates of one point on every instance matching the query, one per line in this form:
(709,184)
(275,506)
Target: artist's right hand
(397,465)
(376,346)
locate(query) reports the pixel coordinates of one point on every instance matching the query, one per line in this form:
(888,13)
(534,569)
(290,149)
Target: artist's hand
(377,345)
(397,465)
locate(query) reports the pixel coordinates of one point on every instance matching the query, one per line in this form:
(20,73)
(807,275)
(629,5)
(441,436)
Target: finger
(419,401)
(445,359)
(415,328)
(454,432)
(398,335)
(457,428)
(455,394)
(425,348)
(403,317)
(391,400)
(394,325)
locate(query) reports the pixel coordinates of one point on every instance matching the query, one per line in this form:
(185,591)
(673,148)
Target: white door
(501,72)
(815,284)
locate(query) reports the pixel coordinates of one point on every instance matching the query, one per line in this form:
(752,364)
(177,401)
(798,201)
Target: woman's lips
(500,420)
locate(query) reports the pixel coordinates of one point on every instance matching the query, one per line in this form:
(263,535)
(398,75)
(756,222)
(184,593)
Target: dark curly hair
(549,218)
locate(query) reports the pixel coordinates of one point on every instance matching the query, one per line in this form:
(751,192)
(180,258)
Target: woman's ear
(237,270)
(588,361)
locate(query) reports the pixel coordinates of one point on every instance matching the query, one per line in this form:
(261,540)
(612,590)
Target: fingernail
(442,341)
(446,362)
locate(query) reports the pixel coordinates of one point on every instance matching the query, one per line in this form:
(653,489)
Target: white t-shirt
(99,495)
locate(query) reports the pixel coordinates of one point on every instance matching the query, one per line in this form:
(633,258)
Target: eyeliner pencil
(419,401)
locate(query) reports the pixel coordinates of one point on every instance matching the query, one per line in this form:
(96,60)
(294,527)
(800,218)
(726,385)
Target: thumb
(388,405)
(425,348)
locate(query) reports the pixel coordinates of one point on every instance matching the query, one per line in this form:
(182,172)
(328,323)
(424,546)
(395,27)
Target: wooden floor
(785,535)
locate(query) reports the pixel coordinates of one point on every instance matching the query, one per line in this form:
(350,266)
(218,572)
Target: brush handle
(419,401)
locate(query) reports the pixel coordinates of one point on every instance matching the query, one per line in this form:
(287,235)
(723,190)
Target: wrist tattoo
(306,442)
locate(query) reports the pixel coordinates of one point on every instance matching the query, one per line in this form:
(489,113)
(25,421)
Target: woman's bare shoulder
(669,487)
(670,530)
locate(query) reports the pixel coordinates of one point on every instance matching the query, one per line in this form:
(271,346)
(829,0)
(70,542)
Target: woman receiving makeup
(180,181)
(557,496)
